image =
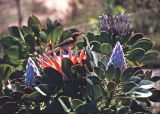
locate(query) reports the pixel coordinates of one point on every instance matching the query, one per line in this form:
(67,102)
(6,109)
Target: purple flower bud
(117,57)
(31,72)
(116,24)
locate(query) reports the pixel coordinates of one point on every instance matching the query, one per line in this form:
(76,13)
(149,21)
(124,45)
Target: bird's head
(76,34)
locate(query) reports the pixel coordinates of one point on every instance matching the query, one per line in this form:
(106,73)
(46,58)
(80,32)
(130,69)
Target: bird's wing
(65,42)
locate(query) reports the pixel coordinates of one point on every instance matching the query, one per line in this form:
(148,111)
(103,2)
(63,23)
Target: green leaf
(144,44)
(43,36)
(22,111)
(148,75)
(5,99)
(7,42)
(135,79)
(5,71)
(64,101)
(93,80)
(75,103)
(106,49)
(33,21)
(78,70)
(26,30)
(136,54)
(155,78)
(66,67)
(148,57)
(55,35)
(95,57)
(146,84)
(129,86)
(80,45)
(16,95)
(142,93)
(144,102)
(10,107)
(43,89)
(13,54)
(16,32)
(155,96)
(111,86)
(151,54)
(36,97)
(104,37)
(30,40)
(72,89)
(110,73)
(139,107)
(66,34)
(94,92)
(49,24)
(53,75)
(134,38)
(137,71)
(96,46)
(101,65)
(28,90)
(126,75)
(89,54)
(89,108)
(123,110)
(117,75)
(105,59)
(127,101)
(99,72)
(90,36)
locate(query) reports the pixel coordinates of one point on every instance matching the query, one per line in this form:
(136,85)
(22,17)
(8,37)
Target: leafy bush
(102,74)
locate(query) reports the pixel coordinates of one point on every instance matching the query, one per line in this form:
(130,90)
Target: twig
(19,13)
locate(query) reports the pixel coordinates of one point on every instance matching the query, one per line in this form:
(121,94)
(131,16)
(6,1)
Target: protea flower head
(117,57)
(116,24)
(55,61)
(31,72)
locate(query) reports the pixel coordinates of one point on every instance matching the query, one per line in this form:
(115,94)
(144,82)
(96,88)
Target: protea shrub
(102,74)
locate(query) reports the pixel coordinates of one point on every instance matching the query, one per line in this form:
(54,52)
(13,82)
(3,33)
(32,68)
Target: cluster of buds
(117,57)
(115,25)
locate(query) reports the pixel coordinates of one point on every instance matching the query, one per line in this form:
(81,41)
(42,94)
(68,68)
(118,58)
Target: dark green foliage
(66,67)
(89,87)
(24,41)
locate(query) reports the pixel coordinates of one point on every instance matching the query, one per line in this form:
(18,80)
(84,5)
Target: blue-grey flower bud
(31,72)
(117,57)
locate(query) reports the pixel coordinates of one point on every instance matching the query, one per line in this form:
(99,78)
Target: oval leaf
(146,84)
(110,73)
(106,49)
(136,54)
(126,75)
(96,46)
(144,44)
(53,75)
(66,67)
(129,86)
(111,86)
(134,38)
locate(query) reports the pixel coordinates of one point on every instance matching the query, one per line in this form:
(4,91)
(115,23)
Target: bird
(69,42)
